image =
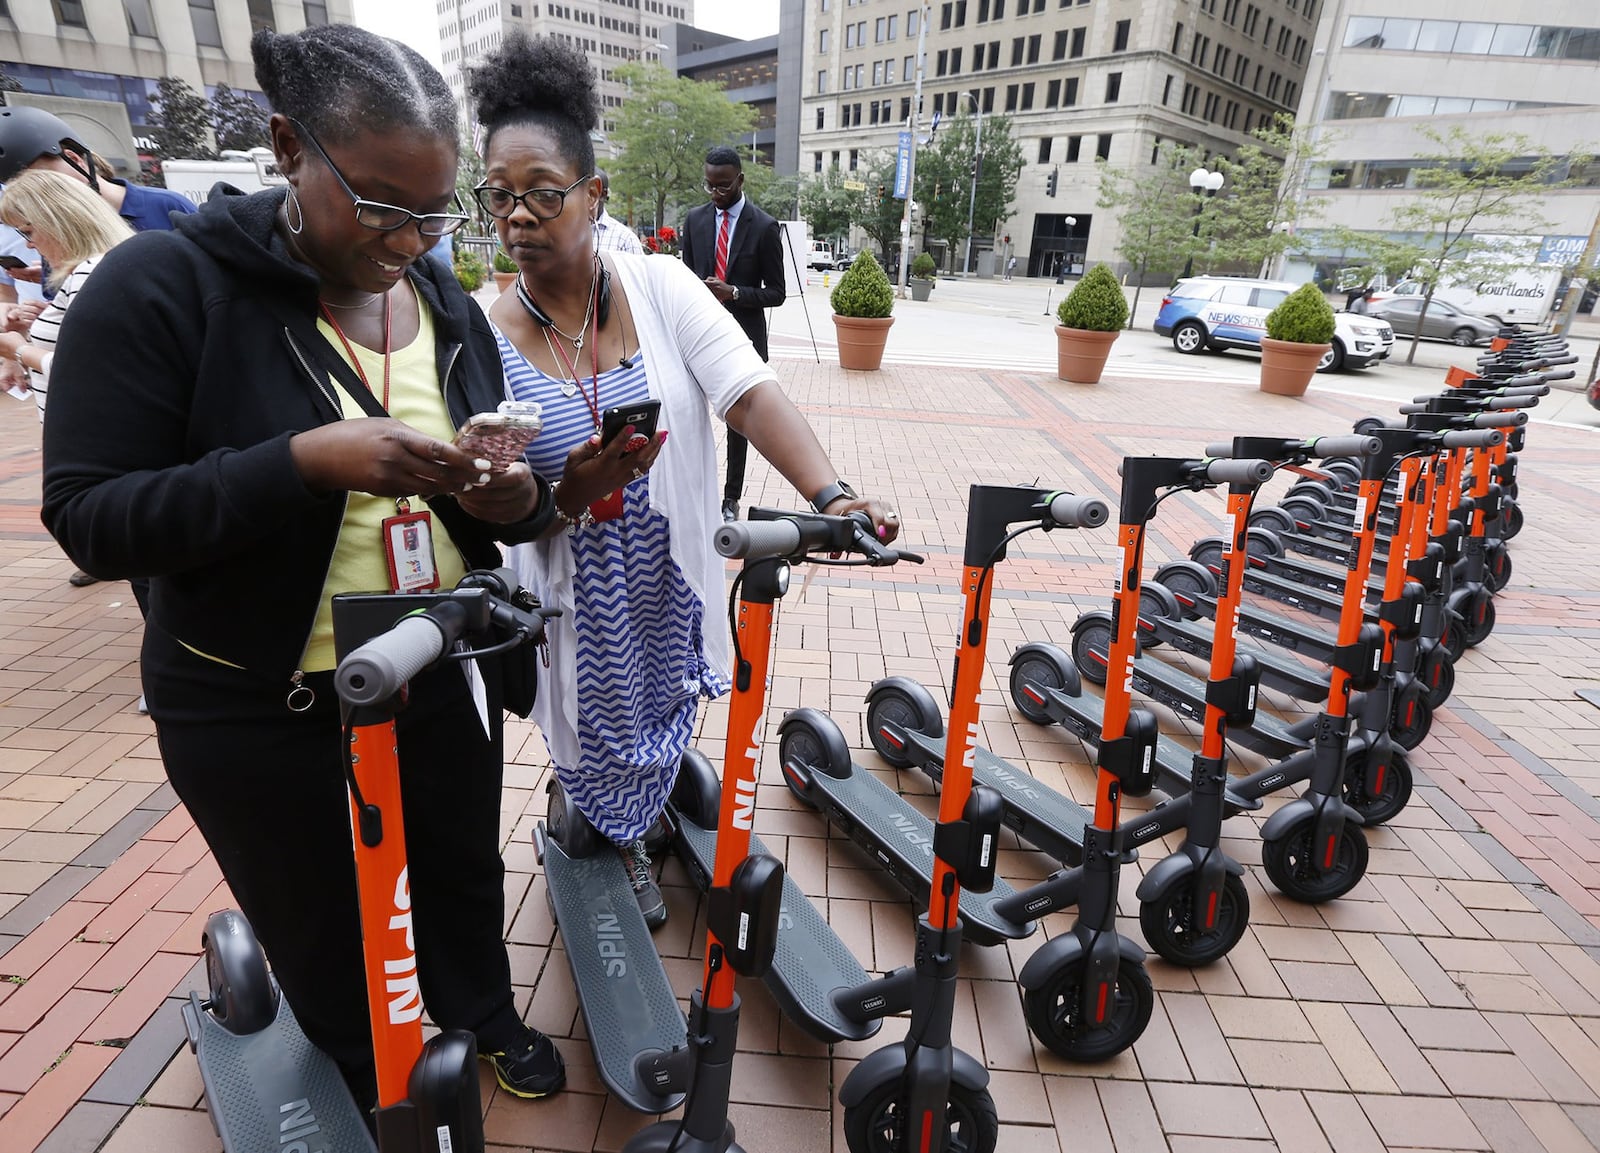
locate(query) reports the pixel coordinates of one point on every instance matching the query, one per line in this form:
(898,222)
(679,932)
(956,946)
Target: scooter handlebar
(1073,511)
(750,540)
(1319,446)
(1246,471)
(380,668)
(1499,420)
(795,536)
(1472,438)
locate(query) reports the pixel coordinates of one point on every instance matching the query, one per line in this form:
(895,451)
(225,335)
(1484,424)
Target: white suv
(1217,312)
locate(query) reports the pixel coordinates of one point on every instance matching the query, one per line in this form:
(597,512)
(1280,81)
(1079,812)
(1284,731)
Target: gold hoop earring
(300,212)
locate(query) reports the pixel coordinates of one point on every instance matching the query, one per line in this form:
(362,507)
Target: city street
(1450,1001)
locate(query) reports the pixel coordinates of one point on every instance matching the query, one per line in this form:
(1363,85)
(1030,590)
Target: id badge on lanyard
(408,547)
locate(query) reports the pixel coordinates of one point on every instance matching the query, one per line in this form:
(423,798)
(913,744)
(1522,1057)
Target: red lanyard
(355,361)
(571,366)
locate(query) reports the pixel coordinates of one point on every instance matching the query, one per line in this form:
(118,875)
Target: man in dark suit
(737,250)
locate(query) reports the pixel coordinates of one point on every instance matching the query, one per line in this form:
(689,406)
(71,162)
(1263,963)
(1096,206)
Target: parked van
(1211,313)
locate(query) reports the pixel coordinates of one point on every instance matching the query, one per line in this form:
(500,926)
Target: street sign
(902,167)
(855,186)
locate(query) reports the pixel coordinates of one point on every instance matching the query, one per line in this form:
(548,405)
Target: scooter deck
(901,839)
(1186,696)
(1281,673)
(810,964)
(1084,715)
(1034,811)
(1274,628)
(269,1089)
(627,1002)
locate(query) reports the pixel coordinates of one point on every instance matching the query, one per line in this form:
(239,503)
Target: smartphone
(502,436)
(642,415)
(11,263)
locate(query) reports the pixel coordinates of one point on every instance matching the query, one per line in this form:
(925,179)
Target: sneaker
(530,1066)
(637,862)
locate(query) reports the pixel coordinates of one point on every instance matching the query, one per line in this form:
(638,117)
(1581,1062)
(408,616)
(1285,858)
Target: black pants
(738,453)
(266,787)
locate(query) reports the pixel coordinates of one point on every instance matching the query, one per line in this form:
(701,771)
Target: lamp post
(1205,185)
(977,167)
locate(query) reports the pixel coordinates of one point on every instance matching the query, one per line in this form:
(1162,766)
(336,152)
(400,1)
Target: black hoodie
(185,364)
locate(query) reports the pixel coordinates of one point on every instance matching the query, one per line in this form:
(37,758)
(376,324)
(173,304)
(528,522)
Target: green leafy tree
(944,178)
(877,212)
(828,206)
(182,121)
(1158,235)
(241,122)
(469,174)
(665,127)
(1468,187)
(1263,197)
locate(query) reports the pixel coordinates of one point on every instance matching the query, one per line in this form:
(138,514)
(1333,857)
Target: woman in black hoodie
(212,428)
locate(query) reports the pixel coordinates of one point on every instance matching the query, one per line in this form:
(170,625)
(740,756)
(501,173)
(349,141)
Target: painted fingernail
(483,465)
(663,439)
(467,487)
(483,478)
(882,532)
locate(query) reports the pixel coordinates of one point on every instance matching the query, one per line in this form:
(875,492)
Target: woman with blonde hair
(71,228)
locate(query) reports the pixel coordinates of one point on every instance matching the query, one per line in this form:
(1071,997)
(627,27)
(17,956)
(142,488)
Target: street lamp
(1205,185)
(977,167)
(1066,253)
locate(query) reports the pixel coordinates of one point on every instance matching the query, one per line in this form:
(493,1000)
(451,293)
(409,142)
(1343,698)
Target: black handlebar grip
(1499,420)
(1345,446)
(1408,409)
(1472,438)
(380,668)
(1246,471)
(1074,511)
(757,539)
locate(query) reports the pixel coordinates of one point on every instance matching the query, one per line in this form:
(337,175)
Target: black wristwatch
(831,493)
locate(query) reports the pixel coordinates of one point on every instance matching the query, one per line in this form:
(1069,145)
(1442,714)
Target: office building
(747,70)
(1080,80)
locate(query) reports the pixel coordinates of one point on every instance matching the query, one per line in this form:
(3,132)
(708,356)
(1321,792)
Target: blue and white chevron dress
(640,661)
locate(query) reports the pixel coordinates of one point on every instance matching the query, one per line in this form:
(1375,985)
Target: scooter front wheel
(1172,927)
(1091,647)
(241,994)
(1042,668)
(811,748)
(1413,717)
(1497,567)
(1053,1012)
(879,1125)
(1392,795)
(1290,863)
(1438,676)
(1479,619)
(892,704)
(1514,519)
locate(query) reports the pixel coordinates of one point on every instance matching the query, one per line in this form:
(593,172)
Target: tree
(665,127)
(1263,194)
(241,122)
(877,212)
(1469,188)
(181,121)
(8,83)
(469,174)
(944,178)
(1157,237)
(827,205)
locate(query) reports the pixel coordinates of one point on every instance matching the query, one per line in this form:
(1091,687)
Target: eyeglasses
(380,217)
(719,189)
(544,203)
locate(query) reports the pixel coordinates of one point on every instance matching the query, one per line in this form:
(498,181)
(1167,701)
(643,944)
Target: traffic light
(882,191)
(1051,181)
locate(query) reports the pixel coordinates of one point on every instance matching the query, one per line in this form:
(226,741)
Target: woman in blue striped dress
(629,560)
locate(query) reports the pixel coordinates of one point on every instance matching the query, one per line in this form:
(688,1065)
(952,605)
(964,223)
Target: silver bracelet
(569,524)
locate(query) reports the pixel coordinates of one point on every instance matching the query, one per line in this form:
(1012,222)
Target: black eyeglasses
(380,217)
(544,203)
(717,189)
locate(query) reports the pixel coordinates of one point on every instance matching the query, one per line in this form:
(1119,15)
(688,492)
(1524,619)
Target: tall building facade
(116,50)
(1080,81)
(610,32)
(747,70)
(1384,70)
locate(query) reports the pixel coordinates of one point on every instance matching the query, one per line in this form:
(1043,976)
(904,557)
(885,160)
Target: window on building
(1058,50)
(955,62)
(855,156)
(1113,87)
(834,162)
(905,108)
(877,30)
(261,15)
(1077,42)
(905,68)
(1000,9)
(822,40)
(945,11)
(68,13)
(1011,97)
(822,82)
(877,72)
(1033,49)
(516,12)
(140,22)
(988,100)
(1052,94)
(911,23)
(1074,144)
(316,14)
(1102,146)
(941,62)
(816,157)
(1166,89)
(821,115)
(1044,150)
(983,11)
(1119,42)
(1069,96)
(961,13)
(203,16)
(1027,97)
(894,22)
(1017,46)
(849,35)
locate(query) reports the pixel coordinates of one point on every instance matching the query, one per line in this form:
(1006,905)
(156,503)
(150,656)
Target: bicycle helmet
(28,133)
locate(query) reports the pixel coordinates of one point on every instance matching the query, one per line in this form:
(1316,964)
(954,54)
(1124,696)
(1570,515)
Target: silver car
(1444,320)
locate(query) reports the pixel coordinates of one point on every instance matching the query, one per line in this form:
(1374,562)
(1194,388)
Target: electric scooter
(748,896)
(267,1087)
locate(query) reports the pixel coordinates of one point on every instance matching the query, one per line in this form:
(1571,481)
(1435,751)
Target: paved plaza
(1450,1002)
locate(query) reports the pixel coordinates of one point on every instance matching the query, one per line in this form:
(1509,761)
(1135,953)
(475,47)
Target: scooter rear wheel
(1170,927)
(1091,647)
(1413,717)
(1156,602)
(1184,578)
(1513,525)
(241,994)
(570,828)
(878,1123)
(1497,567)
(893,704)
(817,750)
(1453,638)
(697,794)
(1437,675)
(1393,795)
(1288,861)
(1274,518)
(1046,670)
(1479,619)
(1052,1013)
(1304,508)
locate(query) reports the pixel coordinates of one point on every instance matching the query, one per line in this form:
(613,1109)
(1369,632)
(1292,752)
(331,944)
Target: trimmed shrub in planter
(1091,316)
(862,302)
(470,270)
(1299,333)
(923,271)
(505,270)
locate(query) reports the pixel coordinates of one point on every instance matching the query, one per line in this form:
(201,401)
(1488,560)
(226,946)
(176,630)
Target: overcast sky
(414,22)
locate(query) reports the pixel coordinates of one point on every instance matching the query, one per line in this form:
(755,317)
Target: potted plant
(1299,334)
(862,302)
(923,271)
(470,270)
(505,271)
(1090,316)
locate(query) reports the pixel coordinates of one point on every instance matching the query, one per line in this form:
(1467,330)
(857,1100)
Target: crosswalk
(788,349)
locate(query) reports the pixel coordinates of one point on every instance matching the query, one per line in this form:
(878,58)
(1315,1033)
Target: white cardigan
(697,361)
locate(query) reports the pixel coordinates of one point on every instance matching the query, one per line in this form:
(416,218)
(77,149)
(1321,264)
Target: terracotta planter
(1081,353)
(1287,366)
(861,340)
(504,280)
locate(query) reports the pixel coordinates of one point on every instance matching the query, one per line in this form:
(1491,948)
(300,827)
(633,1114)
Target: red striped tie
(722,249)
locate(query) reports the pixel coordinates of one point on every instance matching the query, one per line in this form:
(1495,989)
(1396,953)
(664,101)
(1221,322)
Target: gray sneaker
(637,862)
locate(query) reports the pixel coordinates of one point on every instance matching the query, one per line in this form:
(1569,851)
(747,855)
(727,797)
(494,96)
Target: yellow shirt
(360,563)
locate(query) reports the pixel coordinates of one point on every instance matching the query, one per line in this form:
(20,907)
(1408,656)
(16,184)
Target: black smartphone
(12,263)
(642,415)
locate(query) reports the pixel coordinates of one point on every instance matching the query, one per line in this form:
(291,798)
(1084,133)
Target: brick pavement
(1451,1001)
